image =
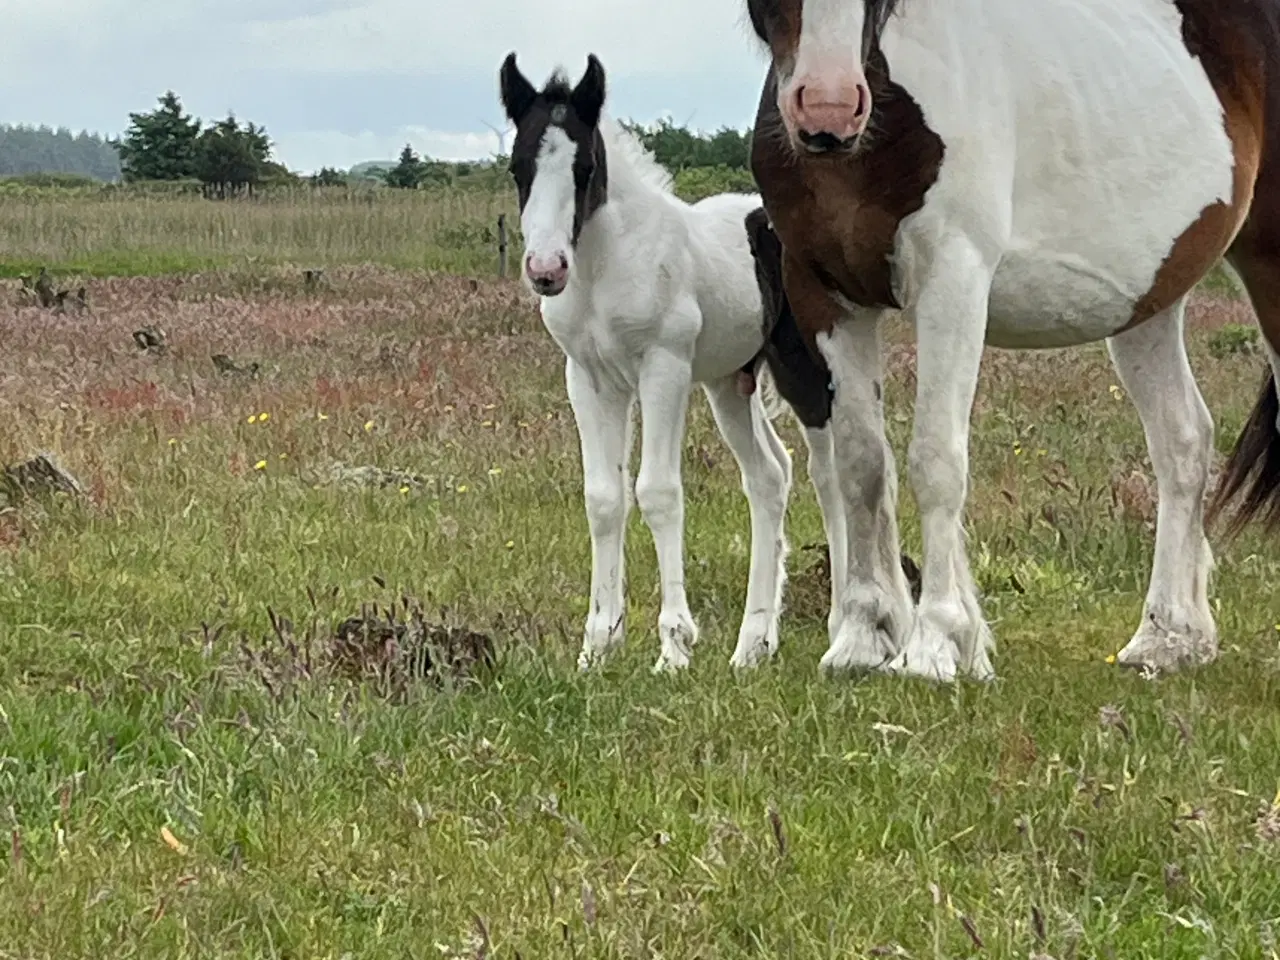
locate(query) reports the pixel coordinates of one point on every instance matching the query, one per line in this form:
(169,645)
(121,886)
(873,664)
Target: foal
(646,295)
(1025,178)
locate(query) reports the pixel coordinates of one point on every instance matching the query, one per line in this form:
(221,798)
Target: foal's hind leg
(766,480)
(1177,623)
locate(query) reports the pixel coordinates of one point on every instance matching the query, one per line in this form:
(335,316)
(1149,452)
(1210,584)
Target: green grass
(615,814)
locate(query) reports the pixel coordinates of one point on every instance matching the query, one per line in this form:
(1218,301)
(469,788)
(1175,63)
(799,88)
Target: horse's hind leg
(766,480)
(1177,623)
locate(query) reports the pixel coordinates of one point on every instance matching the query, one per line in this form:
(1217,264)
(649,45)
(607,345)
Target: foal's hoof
(757,642)
(1155,649)
(679,634)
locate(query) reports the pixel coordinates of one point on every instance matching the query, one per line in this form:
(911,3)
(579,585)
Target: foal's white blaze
(547,219)
(827,91)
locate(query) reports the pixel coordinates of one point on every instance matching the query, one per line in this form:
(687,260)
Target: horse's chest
(851,252)
(602,339)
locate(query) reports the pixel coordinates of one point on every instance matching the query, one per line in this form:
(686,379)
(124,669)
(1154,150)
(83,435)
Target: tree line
(227,157)
(25,151)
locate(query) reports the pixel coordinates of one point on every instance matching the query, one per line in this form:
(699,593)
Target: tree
(231,158)
(409,173)
(160,145)
(328,177)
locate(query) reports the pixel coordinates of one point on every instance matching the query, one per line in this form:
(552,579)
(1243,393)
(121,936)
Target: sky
(337,82)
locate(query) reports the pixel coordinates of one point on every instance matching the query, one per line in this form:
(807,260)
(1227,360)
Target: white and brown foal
(1027,175)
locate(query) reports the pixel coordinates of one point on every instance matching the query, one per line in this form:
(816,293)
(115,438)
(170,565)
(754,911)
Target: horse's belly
(1039,300)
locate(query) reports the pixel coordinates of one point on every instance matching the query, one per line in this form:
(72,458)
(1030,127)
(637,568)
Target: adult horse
(648,295)
(1026,175)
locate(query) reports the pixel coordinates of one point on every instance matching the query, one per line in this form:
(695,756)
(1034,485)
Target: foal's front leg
(665,383)
(604,430)
(950,632)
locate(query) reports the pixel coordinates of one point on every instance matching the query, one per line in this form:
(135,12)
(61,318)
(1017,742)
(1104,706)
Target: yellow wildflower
(495,471)
(404,489)
(368,425)
(173,441)
(260,465)
(511,544)
(487,423)
(1111,658)
(462,488)
(253,418)
(322,416)
(264,417)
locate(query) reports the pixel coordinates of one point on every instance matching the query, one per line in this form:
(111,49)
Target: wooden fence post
(502,245)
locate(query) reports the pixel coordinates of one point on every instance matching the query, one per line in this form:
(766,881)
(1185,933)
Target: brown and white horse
(1027,175)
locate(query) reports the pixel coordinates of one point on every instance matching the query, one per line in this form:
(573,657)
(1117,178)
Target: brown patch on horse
(837,215)
(1238,78)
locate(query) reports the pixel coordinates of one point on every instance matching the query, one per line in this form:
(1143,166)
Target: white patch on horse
(547,219)
(1059,120)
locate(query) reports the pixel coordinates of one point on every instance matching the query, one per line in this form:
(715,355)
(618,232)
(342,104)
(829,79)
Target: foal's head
(558,164)
(820,49)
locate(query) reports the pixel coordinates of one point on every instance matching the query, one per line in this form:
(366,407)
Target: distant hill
(28,150)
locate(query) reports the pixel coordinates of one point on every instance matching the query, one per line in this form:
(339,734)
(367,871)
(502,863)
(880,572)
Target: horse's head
(558,164)
(820,49)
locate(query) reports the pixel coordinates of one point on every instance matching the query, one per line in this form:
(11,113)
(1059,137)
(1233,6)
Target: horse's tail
(1253,466)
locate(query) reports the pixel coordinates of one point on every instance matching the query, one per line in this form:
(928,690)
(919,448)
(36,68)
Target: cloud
(359,78)
(404,36)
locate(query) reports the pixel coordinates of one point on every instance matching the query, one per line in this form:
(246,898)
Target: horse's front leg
(950,632)
(665,383)
(603,417)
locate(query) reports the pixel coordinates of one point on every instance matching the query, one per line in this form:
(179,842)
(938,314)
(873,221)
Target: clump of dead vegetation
(809,590)
(393,648)
(39,291)
(38,476)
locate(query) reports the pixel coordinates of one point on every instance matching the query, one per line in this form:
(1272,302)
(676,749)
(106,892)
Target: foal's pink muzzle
(547,274)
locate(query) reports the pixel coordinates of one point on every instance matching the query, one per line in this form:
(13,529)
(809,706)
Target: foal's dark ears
(518,93)
(588,96)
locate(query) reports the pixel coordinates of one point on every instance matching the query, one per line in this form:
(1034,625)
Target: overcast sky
(340,81)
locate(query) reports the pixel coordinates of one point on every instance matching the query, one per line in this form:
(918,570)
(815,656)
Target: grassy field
(194,763)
